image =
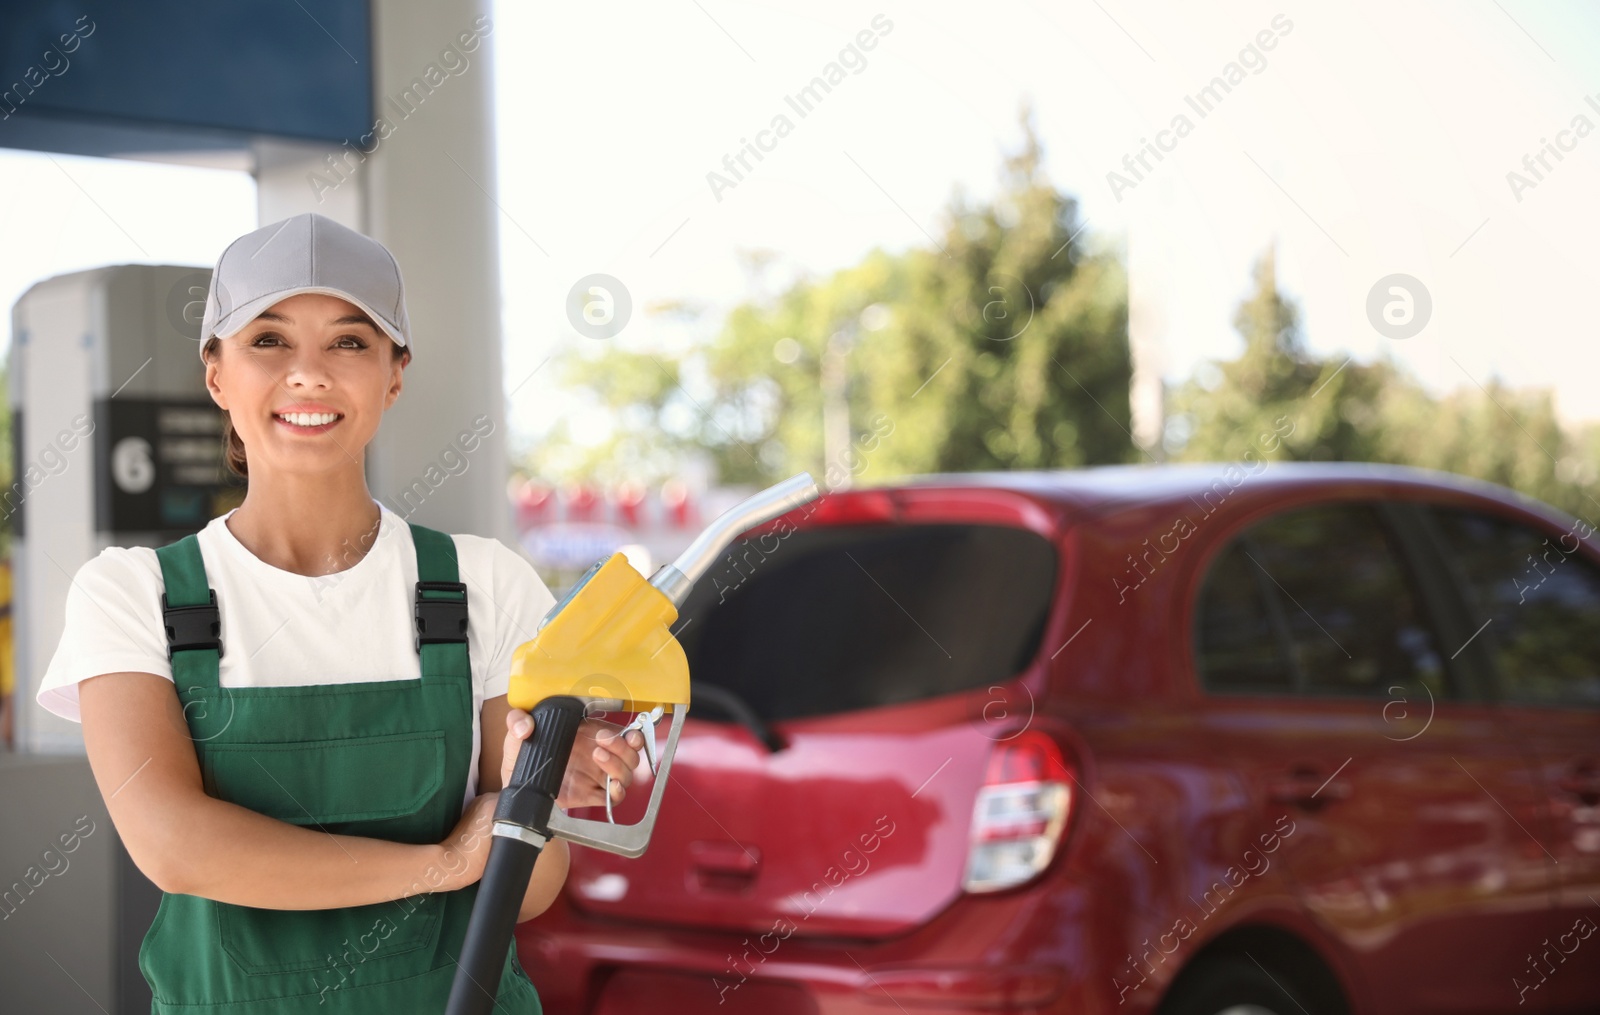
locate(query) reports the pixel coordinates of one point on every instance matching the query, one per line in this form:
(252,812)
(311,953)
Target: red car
(1270,738)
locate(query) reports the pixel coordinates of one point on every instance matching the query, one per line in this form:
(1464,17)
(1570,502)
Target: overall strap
(190,616)
(441,607)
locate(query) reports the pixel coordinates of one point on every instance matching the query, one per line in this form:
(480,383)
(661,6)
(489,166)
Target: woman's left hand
(596,752)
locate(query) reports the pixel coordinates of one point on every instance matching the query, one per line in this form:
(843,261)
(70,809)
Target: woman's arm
(596,751)
(191,843)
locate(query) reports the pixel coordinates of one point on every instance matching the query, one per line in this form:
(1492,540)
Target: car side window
(1240,648)
(1333,586)
(1539,599)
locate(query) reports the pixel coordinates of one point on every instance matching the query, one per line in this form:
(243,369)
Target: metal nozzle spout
(674,580)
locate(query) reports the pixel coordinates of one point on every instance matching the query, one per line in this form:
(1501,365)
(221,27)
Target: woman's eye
(348,341)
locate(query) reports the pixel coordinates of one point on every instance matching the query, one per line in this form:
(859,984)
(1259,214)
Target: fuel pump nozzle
(605,644)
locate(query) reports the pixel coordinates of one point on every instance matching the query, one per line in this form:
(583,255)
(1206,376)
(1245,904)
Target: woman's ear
(212,367)
(397,377)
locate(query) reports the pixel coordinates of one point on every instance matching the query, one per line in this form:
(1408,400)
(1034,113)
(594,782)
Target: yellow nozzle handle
(611,641)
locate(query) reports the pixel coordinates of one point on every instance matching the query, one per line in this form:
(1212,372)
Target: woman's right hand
(465,851)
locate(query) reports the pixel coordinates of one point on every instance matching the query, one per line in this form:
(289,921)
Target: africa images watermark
(851,58)
(454,460)
(1582,928)
(54,61)
(1220,891)
(1579,128)
(767,544)
(52,863)
(350,157)
(599,306)
(1399,306)
(383,928)
(52,461)
(1524,587)
(1203,103)
(834,877)
(1233,476)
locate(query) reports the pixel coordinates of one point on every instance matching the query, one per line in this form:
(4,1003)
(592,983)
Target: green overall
(385,760)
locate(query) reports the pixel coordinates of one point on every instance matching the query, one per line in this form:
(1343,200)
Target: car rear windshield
(838,618)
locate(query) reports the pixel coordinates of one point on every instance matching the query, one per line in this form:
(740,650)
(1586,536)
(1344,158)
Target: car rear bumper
(620,969)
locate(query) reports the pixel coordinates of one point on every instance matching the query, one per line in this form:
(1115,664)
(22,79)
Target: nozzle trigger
(645,723)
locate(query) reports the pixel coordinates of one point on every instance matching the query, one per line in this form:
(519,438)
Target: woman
(308,769)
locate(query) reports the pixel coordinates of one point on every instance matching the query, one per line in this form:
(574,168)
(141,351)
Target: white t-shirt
(283,629)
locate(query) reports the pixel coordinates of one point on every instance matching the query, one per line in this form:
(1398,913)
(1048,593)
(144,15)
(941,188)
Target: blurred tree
(1322,409)
(1338,410)
(1005,347)
(1497,433)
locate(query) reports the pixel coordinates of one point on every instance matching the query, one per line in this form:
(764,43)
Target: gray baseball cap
(309,253)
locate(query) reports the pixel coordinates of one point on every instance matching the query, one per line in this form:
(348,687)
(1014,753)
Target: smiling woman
(302,767)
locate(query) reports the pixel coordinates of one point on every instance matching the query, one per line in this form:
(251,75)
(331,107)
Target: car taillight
(1020,813)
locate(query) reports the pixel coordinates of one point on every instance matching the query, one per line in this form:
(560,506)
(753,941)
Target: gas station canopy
(210,77)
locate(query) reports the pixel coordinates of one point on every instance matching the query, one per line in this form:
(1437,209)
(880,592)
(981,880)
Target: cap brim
(241,316)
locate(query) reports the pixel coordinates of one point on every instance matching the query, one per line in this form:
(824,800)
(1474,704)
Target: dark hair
(232,445)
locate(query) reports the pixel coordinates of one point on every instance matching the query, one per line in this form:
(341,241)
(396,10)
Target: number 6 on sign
(131,465)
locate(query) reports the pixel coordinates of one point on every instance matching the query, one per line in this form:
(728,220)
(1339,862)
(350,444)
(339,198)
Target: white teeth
(309,418)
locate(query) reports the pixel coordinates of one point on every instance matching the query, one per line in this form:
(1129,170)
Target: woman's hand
(597,751)
(465,851)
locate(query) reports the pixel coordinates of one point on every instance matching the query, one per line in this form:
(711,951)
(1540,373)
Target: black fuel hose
(522,825)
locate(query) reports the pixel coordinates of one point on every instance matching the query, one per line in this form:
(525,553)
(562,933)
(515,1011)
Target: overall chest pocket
(344,786)
(385,787)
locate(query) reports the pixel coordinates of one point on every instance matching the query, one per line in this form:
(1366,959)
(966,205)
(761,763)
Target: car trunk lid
(876,652)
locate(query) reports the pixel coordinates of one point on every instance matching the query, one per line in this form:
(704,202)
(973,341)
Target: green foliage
(1341,410)
(1275,385)
(1495,433)
(1004,348)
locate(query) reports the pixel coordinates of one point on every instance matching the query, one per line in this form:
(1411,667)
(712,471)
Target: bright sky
(1376,139)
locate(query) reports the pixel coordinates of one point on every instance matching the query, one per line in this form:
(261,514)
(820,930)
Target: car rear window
(838,618)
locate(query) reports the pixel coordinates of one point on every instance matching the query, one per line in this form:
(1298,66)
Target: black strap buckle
(440,620)
(190,627)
